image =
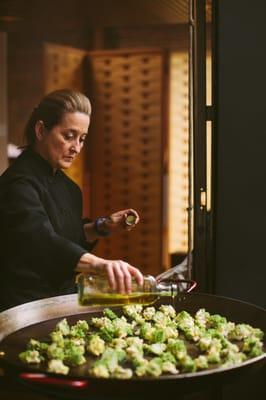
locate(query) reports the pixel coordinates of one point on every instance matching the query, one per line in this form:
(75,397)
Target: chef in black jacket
(44,240)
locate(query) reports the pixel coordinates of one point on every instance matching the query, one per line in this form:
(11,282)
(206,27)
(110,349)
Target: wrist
(101,226)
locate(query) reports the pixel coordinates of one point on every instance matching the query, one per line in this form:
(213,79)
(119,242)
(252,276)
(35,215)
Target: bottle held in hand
(94,290)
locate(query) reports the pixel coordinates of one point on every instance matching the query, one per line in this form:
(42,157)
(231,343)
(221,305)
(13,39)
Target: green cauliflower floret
(202,317)
(169,368)
(135,341)
(241,332)
(213,354)
(170,332)
(58,338)
(205,342)
(187,364)
(193,333)
(135,348)
(118,343)
(63,327)
(121,327)
(100,371)
(154,367)
(160,319)
(216,321)
(168,310)
(132,311)
(258,333)
(95,345)
(107,312)
(201,362)
(107,334)
(141,366)
(55,352)
(80,329)
(158,336)
(109,360)
(234,358)
(155,348)
(252,346)
(184,320)
(177,347)
(36,345)
(149,313)
(30,357)
(225,329)
(146,331)
(227,347)
(102,322)
(166,356)
(74,355)
(58,367)
(122,373)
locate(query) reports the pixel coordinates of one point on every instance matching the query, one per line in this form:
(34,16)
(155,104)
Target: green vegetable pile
(146,341)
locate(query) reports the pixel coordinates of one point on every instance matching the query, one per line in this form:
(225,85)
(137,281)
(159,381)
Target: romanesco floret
(122,373)
(149,313)
(30,357)
(241,331)
(201,362)
(63,327)
(168,310)
(202,317)
(107,312)
(55,352)
(80,329)
(155,348)
(95,345)
(58,367)
(58,338)
(187,364)
(132,310)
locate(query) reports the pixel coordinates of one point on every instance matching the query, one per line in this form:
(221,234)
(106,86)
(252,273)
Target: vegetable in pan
(145,341)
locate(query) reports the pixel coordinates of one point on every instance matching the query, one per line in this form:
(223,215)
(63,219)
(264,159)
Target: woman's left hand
(125,219)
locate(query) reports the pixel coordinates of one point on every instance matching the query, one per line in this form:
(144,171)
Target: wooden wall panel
(126,150)
(178,201)
(64,69)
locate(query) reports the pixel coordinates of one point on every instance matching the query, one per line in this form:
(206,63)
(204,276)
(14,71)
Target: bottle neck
(167,289)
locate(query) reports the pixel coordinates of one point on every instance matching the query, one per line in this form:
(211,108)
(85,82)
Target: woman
(43,237)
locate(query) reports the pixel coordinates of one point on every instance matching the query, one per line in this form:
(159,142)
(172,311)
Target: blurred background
(198,191)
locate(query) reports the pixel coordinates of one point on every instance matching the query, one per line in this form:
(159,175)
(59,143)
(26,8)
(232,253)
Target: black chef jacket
(41,231)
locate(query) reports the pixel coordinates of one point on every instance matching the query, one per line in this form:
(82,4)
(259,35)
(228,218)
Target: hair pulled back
(52,108)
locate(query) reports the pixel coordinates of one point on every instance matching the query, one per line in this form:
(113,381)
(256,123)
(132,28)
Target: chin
(64,165)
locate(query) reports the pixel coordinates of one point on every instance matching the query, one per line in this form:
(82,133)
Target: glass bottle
(94,290)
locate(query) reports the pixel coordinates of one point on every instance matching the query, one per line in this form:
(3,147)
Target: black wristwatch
(100,227)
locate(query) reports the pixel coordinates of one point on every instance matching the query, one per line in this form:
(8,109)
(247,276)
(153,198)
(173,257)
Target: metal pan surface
(38,318)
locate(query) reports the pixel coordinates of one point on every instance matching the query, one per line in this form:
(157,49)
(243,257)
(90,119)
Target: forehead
(77,121)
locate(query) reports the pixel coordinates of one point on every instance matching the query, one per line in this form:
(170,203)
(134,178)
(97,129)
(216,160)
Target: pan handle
(50,380)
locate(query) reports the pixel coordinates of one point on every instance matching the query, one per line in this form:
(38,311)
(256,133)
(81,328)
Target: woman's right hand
(119,273)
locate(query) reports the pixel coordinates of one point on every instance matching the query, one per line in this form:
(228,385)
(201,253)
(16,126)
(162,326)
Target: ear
(39,130)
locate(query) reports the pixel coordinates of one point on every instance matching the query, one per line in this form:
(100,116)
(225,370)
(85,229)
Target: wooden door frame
(203,240)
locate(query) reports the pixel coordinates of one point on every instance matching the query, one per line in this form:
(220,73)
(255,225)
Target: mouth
(69,159)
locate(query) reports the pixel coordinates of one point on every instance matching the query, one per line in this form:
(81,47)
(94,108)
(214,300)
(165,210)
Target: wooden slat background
(64,69)
(126,150)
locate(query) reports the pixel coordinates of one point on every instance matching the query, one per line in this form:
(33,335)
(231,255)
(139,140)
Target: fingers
(120,276)
(111,277)
(136,274)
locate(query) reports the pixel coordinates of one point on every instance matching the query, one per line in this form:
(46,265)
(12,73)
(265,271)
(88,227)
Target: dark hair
(52,109)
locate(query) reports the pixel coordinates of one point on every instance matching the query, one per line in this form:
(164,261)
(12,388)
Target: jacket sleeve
(29,232)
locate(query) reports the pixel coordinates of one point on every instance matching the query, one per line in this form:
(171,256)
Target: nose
(76,147)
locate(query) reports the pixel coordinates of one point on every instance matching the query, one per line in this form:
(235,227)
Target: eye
(68,136)
(82,139)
